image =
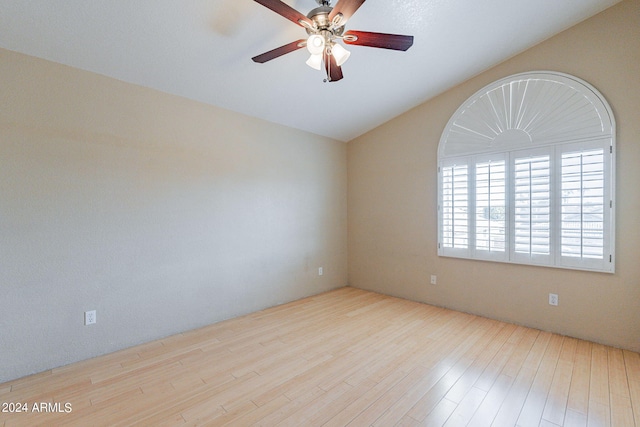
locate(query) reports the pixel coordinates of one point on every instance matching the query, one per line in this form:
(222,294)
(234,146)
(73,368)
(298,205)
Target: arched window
(526,171)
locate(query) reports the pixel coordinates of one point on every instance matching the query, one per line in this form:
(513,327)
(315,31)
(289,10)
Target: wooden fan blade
(334,72)
(286,11)
(346,8)
(385,41)
(279,51)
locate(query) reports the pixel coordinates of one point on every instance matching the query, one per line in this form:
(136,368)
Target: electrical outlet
(433,279)
(89,317)
(553,299)
(320,271)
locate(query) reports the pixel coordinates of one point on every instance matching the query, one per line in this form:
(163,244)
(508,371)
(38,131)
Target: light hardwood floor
(346,357)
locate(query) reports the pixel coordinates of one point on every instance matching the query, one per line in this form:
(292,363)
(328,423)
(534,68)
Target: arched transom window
(526,171)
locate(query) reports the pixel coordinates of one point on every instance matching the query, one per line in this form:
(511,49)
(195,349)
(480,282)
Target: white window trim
(581,118)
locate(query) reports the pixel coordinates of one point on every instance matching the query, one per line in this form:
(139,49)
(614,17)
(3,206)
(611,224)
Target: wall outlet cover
(89,317)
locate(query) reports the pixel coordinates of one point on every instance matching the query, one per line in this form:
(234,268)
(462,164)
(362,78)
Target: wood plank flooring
(343,358)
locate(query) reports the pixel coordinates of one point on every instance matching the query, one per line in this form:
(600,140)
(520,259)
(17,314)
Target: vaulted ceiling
(202,50)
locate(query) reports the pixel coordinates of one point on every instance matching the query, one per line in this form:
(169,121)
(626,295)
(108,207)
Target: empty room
(320,213)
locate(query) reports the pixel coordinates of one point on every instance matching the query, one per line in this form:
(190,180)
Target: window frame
(474,151)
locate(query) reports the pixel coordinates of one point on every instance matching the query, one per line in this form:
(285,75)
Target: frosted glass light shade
(315,61)
(315,44)
(340,54)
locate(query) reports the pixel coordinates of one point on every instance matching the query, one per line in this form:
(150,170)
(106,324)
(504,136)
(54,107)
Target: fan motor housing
(320,16)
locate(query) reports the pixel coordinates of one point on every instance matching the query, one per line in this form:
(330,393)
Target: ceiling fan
(325,27)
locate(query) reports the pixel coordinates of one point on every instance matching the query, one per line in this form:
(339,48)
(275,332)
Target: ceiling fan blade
(385,41)
(346,8)
(334,72)
(286,11)
(279,51)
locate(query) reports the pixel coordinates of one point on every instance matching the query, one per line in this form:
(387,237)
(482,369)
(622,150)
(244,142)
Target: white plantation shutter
(455,208)
(585,206)
(490,209)
(527,175)
(532,207)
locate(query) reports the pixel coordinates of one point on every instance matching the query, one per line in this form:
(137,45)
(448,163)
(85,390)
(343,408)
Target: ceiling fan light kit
(325,26)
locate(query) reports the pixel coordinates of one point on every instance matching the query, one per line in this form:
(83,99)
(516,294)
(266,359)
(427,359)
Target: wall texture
(160,213)
(392,200)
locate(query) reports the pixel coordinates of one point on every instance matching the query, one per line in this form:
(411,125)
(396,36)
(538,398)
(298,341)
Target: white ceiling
(202,49)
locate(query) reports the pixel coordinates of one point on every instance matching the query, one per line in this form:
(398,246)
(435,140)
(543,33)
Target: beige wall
(392,200)
(160,213)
